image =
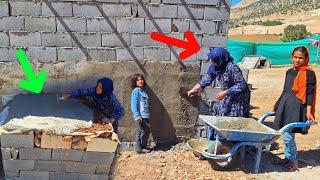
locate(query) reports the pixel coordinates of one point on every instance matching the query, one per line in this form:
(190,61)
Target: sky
(235,1)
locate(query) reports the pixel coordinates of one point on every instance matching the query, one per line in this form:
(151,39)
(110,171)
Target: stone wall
(77,42)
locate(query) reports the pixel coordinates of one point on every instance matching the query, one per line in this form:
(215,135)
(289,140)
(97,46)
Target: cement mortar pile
(55,125)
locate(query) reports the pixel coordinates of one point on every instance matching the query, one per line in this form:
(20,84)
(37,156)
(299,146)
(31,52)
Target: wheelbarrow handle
(264,117)
(295,125)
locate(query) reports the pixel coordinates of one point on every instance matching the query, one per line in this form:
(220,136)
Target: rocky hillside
(249,11)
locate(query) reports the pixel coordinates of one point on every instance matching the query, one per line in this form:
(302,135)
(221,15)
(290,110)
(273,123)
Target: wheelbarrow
(233,134)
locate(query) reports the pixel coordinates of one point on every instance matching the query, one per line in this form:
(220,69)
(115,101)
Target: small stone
(162,177)
(309,167)
(158,171)
(163,164)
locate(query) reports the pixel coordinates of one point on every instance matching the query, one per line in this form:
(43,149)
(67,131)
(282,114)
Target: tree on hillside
(293,33)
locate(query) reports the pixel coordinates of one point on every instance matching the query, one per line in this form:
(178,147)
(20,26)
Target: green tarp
(279,53)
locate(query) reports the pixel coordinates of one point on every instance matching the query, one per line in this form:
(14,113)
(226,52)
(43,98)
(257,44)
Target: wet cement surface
(47,105)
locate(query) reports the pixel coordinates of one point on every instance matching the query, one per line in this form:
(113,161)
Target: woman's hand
(221,95)
(65,96)
(192,93)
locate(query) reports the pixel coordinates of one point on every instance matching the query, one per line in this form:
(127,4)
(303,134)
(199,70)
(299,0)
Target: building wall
(77,42)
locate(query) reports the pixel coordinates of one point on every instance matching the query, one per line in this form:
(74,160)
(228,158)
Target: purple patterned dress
(237,101)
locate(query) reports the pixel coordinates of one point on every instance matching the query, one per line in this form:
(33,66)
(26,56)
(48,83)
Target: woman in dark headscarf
(106,105)
(234,99)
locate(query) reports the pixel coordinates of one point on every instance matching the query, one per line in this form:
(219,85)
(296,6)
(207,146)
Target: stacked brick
(108,30)
(55,159)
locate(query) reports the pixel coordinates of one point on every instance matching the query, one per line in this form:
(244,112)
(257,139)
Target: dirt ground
(179,163)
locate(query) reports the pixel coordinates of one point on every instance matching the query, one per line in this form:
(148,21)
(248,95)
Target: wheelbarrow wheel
(221,165)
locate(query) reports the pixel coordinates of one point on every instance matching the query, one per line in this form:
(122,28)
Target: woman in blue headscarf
(234,99)
(101,98)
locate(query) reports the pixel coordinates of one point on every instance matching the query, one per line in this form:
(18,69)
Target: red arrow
(191,45)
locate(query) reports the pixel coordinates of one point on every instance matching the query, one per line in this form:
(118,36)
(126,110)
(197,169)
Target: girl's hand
(310,117)
(221,95)
(139,120)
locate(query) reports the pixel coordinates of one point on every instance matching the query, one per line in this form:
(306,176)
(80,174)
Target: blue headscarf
(221,57)
(107,88)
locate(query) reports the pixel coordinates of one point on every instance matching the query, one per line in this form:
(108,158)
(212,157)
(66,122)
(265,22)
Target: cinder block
(117,10)
(142,10)
(157,54)
(139,40)
(101,24)
(163,11)
(134,1)
(189,59)
(4,39)
(4,8)
(86,40)
(212,13)
(71,24)
(72,54)
(34,154)
(63,176)
(55,142)
(66,155)
(77,167)
(224,27)
(102,54)
(25,39)
(12,174)
(56,40)
(181,25)
(25,8)
(200,26)
(196,2)
(14,165)
(43,54)
(11,23)
(86,10)
(103,168)
(214,41)
(190,12)
(14,153)
(7,54)
(155,1)
(203,55)
(133,25)
(116,40)
(58,9)
(17,140)
(40,24)
(34,175)
(102,145)
(124,54)
(93,177)
(97,157)
(52,166)
(6,153)
(153,25)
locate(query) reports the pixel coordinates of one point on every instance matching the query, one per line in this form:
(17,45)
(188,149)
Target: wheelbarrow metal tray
(241,129)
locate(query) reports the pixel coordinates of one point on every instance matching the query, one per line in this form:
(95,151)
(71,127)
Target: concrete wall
(78,41)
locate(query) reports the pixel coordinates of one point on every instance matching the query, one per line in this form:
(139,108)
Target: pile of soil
(97,127)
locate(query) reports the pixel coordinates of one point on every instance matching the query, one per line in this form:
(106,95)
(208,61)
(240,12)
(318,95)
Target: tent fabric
(279,53)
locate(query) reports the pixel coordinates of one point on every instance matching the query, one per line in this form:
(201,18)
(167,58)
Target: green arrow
(33,83)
